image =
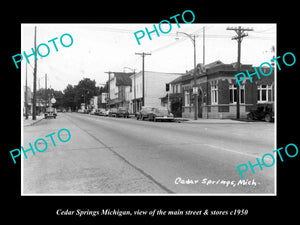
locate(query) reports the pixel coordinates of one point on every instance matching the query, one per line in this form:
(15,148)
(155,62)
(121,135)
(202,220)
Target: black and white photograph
(144,109)
(138,112)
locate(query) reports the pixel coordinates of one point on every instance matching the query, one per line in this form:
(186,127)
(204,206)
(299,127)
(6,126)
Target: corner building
(217,91)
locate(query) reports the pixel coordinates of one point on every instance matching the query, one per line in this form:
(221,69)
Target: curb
(210,122)
(33,123)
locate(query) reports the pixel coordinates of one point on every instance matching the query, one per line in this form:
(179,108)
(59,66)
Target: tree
(69,97)
(85,90)
(59,97)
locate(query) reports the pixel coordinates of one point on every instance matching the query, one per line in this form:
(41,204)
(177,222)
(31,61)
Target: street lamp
(195,89)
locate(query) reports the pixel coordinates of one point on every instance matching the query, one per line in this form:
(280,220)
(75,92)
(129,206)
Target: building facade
(217,91)
(119,83)
(154,88)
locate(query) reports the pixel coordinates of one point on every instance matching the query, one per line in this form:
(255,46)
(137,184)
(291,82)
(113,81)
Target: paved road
(115,155)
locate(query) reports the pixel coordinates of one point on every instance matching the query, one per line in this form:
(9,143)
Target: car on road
(112,112)
(263,112)
(50,113)
(155,114)
(92,112)
(144,113)
(105,113)
(100,112)
(122,112)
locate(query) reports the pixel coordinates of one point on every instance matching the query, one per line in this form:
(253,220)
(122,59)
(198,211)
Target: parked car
(92,112)
(105,113)
(99,112)
(87,111)
(155,114)
(161,114)
(112,112)
(263,112)
(144,113)
(122,112)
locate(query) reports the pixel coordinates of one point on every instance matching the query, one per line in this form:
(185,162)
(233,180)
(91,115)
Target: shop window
(264,93)
(214,94)
(233,94)
(186,98)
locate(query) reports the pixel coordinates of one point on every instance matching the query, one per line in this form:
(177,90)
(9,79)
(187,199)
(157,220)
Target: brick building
(217,91)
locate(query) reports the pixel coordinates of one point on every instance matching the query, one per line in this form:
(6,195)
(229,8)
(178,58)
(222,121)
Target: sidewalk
(30,122)
(200,120)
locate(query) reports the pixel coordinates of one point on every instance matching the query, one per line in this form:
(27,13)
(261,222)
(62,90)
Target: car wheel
(268,118)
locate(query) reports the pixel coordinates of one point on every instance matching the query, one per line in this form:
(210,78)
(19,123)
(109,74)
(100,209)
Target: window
(186,98)
(233,93)
(214,94)
(264,93)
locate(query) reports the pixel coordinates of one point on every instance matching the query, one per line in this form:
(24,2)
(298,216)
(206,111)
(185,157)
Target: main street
(126,156)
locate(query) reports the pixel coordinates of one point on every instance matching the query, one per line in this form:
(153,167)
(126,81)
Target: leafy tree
(85,90)
(69,97)
(73,96)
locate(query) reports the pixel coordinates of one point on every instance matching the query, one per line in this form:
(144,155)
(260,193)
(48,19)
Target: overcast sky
(98,48)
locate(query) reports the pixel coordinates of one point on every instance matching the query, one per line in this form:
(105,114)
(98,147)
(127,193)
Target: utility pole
(204,46)
(34,81)
(45,92)
(143,74)
(239,37)
(195,88)
(108,94)
(26,96)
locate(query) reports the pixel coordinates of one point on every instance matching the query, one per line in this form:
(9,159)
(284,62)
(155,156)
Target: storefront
(217,92)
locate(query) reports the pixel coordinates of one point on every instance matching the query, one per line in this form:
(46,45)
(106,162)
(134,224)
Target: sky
(99,48)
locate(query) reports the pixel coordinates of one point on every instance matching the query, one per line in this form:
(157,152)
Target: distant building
(155,88)
(118,84)
(94,102)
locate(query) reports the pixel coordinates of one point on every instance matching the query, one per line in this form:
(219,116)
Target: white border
(171,195)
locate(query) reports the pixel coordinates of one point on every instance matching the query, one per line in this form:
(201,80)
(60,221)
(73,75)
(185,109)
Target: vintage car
(112,112)
(50,113)
(263,112)
(155,114)
(122,112)
(100,112)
